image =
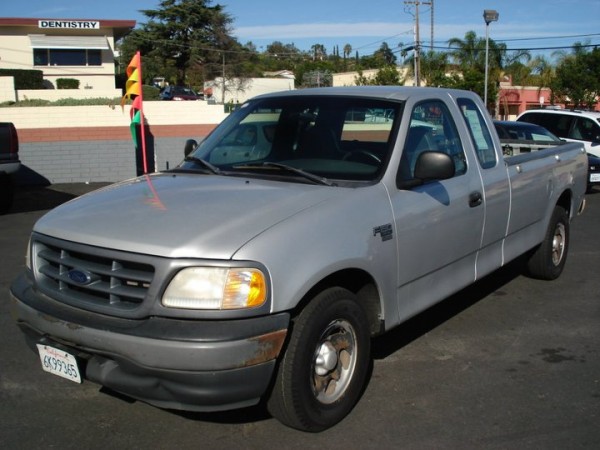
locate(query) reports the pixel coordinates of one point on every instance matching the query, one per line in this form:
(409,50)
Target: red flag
(135,106)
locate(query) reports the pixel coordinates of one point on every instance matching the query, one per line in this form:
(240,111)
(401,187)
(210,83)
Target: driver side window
(431,129)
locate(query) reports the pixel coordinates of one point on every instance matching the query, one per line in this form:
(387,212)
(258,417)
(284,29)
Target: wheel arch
(566,201)
(361,284)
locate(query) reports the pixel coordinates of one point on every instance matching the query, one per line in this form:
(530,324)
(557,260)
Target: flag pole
(142,123)
(134,91)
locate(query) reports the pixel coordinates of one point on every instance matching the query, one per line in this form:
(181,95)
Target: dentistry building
(64,48)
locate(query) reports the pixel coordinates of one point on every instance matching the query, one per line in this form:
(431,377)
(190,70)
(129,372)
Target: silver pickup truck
(306,223)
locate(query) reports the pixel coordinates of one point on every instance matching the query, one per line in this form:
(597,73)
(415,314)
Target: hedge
(25,79)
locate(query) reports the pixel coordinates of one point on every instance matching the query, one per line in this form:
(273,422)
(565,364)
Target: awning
(69,42)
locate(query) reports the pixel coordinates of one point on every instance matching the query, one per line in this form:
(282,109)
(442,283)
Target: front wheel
(548,260)
(324,368)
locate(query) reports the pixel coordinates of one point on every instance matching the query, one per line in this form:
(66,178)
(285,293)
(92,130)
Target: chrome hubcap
(334,361)
(558,244)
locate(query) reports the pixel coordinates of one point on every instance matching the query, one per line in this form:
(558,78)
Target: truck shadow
(30,198)
(394,340)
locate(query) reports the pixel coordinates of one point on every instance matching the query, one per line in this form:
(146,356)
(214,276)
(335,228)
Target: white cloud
(328,30)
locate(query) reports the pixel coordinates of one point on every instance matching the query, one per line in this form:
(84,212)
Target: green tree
(317,78)
(318,51)
(362,80)
(577,80)
(469,54)
(184,35)
(347,50)
(388,76)
(434,69)
(542,71)
(384,55)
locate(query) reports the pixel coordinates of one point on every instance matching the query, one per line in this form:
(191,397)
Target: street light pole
(489,15)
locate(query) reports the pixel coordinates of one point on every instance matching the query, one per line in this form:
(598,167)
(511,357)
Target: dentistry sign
(70,24)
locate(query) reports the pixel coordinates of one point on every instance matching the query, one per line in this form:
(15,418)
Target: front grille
(90,278)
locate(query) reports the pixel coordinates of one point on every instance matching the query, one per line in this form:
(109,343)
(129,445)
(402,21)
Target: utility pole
(223,87)
(431,14)
(417,3)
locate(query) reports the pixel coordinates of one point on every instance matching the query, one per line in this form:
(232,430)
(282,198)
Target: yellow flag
(133,85)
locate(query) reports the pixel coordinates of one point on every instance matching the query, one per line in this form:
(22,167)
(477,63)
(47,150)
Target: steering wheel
(367,153)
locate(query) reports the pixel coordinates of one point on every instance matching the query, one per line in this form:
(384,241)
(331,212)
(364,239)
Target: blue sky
(363,24)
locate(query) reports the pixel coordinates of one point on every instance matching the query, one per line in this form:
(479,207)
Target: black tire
(548,260)
(324,368)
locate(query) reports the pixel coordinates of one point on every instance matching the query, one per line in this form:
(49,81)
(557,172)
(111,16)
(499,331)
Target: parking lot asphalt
(508,363)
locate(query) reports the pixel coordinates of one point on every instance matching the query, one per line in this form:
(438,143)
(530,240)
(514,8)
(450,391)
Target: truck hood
(180,215)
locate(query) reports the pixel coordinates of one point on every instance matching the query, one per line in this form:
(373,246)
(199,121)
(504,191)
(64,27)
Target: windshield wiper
(303,173)
(204,163)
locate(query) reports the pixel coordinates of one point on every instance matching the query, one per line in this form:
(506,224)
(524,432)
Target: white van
(570,125)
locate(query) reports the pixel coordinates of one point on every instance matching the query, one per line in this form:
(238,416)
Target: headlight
(216,288)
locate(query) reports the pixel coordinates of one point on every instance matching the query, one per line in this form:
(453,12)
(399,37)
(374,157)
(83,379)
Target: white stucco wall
(155,112)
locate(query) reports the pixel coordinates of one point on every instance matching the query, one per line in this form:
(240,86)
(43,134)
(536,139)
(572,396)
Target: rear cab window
(480,134)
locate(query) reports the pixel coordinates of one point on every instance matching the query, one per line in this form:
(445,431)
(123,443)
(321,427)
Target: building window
(66,57)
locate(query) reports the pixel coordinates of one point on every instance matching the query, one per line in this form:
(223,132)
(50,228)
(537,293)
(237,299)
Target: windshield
(343,139)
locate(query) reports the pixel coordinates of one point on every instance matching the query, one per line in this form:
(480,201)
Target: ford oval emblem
(79,276)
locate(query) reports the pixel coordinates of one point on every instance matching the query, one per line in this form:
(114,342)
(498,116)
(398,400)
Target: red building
(513,100)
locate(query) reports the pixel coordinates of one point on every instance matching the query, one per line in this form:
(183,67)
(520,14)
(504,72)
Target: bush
(25,79)
(67,83)
(110,102)
(150,92)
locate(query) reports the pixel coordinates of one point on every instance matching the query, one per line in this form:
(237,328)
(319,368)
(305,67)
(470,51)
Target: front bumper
(197,365)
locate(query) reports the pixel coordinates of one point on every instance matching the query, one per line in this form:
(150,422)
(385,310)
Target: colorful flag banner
(133,91)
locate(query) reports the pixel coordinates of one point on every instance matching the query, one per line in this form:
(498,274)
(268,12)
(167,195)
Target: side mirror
(429,166)
(189,147)
(434,166)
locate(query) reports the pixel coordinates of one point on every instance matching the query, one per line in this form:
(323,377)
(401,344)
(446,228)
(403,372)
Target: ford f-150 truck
(306,223)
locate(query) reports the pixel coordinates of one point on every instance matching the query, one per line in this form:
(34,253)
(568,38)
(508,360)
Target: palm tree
(468,52)
(347,50)
(318,51)
(542,74)
(385,55)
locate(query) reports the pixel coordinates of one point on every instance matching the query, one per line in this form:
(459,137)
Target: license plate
(59,363)
(594,177)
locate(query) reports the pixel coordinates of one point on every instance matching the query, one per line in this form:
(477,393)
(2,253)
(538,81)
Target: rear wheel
(324,368)
(548,260)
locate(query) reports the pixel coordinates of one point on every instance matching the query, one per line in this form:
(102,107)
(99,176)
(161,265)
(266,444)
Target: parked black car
(524,137)
(179,93)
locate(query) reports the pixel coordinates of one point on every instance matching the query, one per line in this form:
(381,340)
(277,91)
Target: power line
(550,37)
(302,54)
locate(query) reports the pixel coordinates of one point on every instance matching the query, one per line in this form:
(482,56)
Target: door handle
(475,199)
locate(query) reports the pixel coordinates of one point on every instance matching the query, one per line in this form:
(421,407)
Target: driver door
(439,223)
